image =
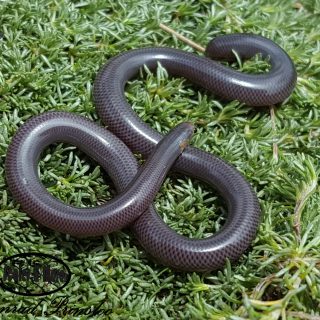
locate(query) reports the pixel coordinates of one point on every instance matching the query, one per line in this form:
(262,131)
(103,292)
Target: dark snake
(137,187)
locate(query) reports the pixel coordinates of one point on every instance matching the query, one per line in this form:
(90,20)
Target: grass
(50,54)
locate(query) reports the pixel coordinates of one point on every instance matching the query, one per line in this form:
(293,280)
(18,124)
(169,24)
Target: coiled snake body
(137,188)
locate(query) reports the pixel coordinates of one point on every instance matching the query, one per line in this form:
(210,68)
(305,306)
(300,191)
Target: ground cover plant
(50,52)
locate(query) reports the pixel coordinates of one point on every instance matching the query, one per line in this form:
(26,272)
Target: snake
(113,148)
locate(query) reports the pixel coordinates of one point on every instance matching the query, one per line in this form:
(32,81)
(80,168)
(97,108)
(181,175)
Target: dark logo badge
(33,274)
